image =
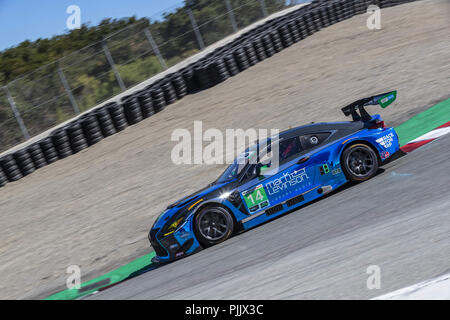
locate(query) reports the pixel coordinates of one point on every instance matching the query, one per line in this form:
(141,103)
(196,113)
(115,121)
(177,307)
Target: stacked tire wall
(224,62)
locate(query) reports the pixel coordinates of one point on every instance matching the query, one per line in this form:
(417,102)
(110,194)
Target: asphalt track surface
(399,221)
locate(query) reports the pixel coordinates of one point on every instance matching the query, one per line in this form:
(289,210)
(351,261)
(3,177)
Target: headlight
(174,226)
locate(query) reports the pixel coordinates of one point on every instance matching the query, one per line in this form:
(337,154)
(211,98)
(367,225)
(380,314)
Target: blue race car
(313,160)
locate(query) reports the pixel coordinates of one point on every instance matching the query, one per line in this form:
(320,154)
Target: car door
(295,176)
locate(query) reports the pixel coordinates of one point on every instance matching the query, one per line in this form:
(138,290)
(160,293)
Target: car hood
(196,195)
(174,208)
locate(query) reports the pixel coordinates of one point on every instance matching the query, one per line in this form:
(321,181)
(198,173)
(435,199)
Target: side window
(310,141)
(289,148)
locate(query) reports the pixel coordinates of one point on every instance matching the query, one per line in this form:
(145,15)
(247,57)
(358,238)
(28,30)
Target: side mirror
(258,169)
(261,167)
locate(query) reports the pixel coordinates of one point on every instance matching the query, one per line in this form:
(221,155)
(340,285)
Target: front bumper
(175,245)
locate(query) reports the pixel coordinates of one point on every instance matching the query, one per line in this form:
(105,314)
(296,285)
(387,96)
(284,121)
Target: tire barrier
(268,45)
(159,102)
(77,138)
(169,91)
(105,121)
(146,103)
(10,168)
(222,63)
(24,162)
(118,118)
(231,65)
(91,128)
(48,150)
(220,70)
(241,59)
(179,85)
(61,142)
(259,49)
(132,109)
(37,155)
(3,178)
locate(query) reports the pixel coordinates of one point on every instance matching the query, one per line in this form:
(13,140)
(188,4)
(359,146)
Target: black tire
(189,79)
(61,143)
(179,85)
(3,178)
(203,76)
(105,121)
(146,103)
(213,218)
(170,94)
(24,162)
(117,115)
(132,109)
(48,149)
(10,168)
(219,69)
(91,128)
(77,139)
(37,155)
(359,162)
(231,65)
(159,102)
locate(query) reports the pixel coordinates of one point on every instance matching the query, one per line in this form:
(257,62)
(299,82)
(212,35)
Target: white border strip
(434,289)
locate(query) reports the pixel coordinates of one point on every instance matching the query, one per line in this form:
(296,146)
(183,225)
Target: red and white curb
(427,137)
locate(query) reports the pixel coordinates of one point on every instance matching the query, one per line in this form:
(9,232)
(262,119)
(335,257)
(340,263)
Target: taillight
(378,124)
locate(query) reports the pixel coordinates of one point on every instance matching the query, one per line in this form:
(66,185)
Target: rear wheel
(359,162)
(213,225)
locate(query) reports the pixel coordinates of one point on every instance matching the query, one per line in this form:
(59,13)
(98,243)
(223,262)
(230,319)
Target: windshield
(241,162)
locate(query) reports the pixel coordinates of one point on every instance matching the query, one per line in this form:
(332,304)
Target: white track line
(434,289)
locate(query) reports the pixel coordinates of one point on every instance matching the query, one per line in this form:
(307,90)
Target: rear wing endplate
(383,100)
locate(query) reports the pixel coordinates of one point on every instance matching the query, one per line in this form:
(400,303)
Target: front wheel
(213,225)
(359,162)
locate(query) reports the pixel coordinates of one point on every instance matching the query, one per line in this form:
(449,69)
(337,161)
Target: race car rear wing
(383,100)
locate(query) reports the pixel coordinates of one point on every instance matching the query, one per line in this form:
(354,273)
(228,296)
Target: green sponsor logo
(326,169)
(387,99)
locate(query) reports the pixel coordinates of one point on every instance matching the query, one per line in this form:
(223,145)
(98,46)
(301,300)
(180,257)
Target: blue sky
(32,19)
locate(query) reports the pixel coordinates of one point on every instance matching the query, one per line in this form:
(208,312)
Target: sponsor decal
(336,171)
(286,180)
(384,155)
(386,141)
(387,99)
(314,140)
(256,198)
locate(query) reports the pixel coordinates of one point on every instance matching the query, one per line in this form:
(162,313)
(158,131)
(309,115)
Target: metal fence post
(197,32)
(113,66)
(68,91)
(263,7)
(155,48)
(231,15)
(17,115)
